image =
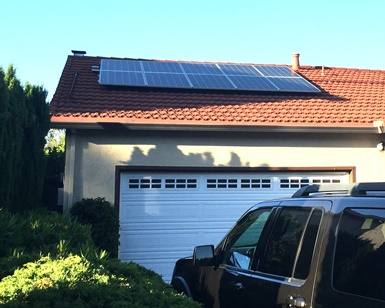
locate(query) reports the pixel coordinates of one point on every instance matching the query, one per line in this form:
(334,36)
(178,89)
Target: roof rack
(352,189)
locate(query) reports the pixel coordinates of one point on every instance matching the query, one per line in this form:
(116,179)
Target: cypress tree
(13,135)
(24,122)
(4,119)
(35,130)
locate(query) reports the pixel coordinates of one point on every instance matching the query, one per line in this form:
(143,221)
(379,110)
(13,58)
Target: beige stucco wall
(92,155)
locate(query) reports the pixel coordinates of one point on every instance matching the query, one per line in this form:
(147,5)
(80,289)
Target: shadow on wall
(170,155)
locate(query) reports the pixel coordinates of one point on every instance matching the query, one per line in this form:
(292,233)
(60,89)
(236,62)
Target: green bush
(49,260)
(74,281)
(25,237)
(104,222)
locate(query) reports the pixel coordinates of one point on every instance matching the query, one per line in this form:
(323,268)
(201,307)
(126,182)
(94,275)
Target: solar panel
(251,83)
(292,84)
(120,78)
(167,80)
(200,81)
(275,71)
(202,76)
(120,65)
(201,68)
(231,69)
(161,67)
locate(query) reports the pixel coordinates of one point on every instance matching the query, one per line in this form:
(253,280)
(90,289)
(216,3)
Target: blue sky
(37,36)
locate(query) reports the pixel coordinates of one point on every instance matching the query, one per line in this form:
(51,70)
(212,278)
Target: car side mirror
(203,255)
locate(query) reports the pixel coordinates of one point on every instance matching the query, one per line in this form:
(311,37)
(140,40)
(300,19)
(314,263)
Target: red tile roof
(350,98)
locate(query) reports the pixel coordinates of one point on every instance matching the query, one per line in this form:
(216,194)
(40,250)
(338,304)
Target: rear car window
(359,261)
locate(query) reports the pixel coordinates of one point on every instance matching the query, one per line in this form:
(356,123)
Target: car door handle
(295,301)
(237,285)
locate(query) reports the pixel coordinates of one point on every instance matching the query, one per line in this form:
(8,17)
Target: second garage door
(163,216)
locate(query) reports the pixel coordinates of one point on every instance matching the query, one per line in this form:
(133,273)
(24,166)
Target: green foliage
(104,222)
(35,130)
(24,122)
(14,115)
(55,139)
(4,119)
(55,159)
(74,281)
(55,162)
(24,237)
(47,260)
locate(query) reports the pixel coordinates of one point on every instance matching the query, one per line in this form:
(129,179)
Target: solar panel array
(145,73)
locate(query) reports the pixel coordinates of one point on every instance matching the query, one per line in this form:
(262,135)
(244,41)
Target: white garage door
(163,216)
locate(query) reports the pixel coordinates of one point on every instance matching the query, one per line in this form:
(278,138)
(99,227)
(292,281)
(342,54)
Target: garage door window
(180,183)
(144,183)
(239,183)
(292,183)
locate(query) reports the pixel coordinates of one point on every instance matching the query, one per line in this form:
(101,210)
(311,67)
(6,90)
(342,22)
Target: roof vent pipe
(295,62)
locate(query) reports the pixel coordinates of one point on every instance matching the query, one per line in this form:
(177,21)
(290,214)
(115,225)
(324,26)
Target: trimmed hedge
(74,281)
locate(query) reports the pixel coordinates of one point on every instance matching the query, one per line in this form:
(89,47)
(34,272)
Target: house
(181,163)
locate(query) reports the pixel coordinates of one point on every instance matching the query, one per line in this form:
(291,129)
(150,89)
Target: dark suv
(323,247)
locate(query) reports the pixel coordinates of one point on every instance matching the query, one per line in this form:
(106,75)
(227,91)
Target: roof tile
(349,98)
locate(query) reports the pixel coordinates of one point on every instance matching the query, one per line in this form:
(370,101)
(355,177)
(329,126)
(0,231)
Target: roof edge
(197,127)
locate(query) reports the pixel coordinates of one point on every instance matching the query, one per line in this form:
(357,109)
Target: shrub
(11,232)
(25,237)
(74,281)
(51,232)
(104,222)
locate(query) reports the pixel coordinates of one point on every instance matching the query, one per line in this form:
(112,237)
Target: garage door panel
(138,241)
(153,211)
(203,225)
(163,216)
(218,209)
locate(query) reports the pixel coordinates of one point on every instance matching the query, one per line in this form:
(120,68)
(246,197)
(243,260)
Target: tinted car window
(359,265)
(244,237)
(306,254)
(287,235)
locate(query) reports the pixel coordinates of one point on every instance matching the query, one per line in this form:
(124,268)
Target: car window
(359,265)
(283,251)
(243,238)
(302,266)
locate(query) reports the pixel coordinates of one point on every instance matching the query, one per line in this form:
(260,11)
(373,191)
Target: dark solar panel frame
(202,76)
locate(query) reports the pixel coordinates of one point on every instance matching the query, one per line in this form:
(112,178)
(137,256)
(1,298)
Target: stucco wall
(98,152)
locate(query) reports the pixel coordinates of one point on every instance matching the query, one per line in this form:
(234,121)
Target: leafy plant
(25,237)
(104,222)
(74,281)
